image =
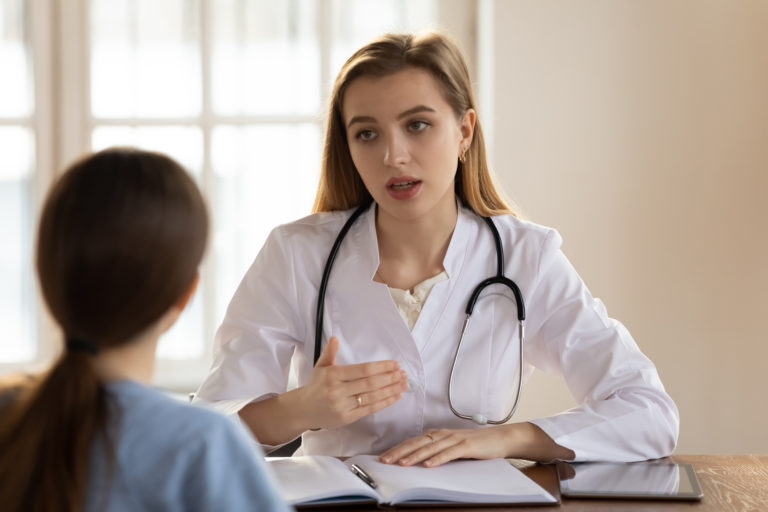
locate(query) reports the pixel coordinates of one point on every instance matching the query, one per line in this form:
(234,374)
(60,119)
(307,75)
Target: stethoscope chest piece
(500,279)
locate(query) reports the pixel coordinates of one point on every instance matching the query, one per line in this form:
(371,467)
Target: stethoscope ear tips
(479,419)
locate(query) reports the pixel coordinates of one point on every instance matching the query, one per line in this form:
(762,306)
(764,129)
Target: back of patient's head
(120,240)
(121,235)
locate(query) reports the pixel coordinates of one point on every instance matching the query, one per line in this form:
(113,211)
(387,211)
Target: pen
(365,477)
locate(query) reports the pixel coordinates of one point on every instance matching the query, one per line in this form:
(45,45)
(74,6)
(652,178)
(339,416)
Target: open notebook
(321,480)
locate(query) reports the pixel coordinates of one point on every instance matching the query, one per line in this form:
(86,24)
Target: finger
(400,451)
(381,394)
(328,355)
(398,378)
(365,410)
(378,400)
(352,372)
(357,402)
(460,450)
(432,450)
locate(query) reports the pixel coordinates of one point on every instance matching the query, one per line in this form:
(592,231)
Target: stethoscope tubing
(326,277)
(499,278)
(478,418)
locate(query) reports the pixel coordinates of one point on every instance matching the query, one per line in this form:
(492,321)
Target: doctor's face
(405,141)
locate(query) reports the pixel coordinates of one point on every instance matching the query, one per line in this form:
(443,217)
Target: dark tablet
(635,480)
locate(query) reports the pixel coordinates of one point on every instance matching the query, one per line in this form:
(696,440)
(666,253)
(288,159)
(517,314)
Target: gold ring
(359,401)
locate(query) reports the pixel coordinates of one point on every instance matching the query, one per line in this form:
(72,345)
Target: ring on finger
(359,400)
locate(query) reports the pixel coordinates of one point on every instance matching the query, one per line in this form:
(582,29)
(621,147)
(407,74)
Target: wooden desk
(730,483)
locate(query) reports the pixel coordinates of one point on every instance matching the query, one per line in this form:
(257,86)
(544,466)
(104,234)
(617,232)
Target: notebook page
(463,481)
(316,478)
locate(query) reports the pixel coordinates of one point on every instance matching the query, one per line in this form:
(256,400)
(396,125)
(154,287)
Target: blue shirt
(173,456)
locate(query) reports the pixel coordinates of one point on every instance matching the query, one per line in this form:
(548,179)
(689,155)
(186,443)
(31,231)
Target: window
(20,136)
(233,89)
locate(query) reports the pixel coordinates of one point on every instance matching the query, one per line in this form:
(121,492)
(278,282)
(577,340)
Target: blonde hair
(340,186)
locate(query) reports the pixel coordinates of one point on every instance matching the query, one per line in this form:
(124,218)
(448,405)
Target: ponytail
(46,438)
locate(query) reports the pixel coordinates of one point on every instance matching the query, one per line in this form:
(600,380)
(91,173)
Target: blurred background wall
(639,129)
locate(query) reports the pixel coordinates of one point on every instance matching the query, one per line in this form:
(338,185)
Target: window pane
(16,82)
(145,58)
(266,57)
(185,339)
(358,21)
(183,143)
(17,303)
(263,176)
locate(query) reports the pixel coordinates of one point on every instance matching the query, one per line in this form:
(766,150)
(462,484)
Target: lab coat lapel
(362,304)
(353,290)
(434,308)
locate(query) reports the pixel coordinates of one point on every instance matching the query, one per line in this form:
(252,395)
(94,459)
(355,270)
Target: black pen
(365,477)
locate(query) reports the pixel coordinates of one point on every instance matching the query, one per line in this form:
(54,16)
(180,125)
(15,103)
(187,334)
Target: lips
(403,187)
(402,182)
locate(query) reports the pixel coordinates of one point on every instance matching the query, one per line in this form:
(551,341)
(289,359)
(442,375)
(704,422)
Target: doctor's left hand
(438,446)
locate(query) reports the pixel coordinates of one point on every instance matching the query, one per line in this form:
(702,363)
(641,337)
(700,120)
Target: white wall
(639,129)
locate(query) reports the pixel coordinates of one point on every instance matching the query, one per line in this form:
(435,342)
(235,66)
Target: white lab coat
(625,414)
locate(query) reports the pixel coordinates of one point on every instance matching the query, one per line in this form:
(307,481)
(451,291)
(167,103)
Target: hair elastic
(77,345)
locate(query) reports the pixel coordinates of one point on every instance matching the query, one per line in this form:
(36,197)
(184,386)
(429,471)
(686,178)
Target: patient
(120,240)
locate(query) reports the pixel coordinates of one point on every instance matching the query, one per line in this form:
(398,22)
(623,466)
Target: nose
(396,151)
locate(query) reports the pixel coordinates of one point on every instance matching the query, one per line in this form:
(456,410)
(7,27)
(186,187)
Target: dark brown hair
(120,239)
(340,186)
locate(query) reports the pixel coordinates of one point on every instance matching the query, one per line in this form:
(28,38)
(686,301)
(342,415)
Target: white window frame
(63,125)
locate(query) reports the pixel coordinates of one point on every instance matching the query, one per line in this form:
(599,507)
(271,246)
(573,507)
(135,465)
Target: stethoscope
(497,279)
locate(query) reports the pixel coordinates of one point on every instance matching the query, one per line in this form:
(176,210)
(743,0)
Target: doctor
(403,141)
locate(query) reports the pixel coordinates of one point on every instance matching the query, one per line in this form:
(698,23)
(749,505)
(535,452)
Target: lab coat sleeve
(624,413)
(261,329)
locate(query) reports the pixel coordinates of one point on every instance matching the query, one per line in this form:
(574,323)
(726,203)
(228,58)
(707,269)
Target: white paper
(309,479)
(462,481)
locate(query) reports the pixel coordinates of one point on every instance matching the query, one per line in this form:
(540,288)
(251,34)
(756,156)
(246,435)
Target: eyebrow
(410,111)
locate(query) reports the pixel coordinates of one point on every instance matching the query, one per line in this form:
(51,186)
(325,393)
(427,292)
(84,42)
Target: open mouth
(404,185)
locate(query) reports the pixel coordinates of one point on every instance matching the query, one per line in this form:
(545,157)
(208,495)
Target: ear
(467,129)
(187,295)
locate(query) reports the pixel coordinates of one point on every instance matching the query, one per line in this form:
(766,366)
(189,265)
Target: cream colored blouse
(409,304)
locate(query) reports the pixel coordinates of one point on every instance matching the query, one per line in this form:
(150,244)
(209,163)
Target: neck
(413,250)
(134,359)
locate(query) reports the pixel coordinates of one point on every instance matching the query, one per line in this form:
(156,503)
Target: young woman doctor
(404,142)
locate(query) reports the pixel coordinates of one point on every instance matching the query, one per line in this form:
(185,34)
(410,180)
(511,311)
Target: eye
(365,135)
(417,126)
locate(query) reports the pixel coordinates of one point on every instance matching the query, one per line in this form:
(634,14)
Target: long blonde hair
(340,186)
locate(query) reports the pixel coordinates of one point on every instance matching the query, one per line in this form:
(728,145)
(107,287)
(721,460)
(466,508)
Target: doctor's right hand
(337,395)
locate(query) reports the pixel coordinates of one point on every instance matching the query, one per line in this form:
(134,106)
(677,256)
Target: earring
(463,157)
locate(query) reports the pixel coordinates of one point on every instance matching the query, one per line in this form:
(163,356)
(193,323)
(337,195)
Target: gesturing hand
(337,395)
